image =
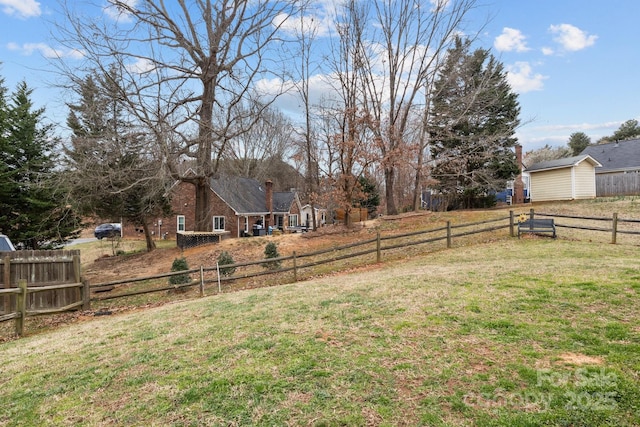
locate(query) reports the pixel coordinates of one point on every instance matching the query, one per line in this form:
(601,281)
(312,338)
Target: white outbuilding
(570,178)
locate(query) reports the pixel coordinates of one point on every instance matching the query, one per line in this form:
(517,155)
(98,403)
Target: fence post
(76,268)
(295,268)
(7,283)
(21,307)
(378,252)
(86,295)
(614,228)
(201,281)
(218,274)
(511,222)
(531,216)
(448,234)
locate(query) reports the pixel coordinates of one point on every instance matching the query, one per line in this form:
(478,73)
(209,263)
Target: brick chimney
(518,185)
(269,201)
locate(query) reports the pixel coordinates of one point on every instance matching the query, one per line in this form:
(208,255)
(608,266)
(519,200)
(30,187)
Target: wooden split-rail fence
(47,282)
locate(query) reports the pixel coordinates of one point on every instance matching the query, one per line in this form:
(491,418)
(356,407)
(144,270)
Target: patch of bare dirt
(577,359)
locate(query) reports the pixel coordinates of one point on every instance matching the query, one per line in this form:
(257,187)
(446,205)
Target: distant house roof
(248,196)
(616,156)
(562,163)
(282,201)
(243,195)
(5,244)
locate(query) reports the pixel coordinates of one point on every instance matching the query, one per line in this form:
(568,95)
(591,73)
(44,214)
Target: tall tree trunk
(203,218)
(389,183)
(417,188)
(151,244)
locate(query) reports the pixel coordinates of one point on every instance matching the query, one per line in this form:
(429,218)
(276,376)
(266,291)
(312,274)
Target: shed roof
(616,156)
(562,163)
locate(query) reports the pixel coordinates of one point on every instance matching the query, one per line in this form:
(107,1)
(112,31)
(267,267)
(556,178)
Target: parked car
(5,243)
(107,230)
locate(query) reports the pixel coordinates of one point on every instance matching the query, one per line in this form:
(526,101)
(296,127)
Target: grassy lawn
(513,333)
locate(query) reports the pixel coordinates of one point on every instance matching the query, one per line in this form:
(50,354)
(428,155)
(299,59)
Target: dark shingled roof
(282,201)
(560,163)
(243,195)
(616,156)
(248,196)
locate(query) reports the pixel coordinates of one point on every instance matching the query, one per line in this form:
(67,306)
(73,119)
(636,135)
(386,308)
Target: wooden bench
(537,226)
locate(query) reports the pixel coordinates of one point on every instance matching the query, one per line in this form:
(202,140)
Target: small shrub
(271,251)
(225,258)
(179,264)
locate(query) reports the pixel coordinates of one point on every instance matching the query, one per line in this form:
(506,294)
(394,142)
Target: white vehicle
(5,243)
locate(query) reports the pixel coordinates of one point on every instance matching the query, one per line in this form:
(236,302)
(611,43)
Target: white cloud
(547,51)
(45,50)
(578,127)
(116,12)
(311,24)
(522,79)
(319,19)
(510,40)
(141,66)
(572,38)
(439,4)
(21,8)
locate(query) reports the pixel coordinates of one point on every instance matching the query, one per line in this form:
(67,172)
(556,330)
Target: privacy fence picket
(40,282)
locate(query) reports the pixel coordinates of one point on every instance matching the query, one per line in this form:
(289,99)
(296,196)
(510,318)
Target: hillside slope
(479,335)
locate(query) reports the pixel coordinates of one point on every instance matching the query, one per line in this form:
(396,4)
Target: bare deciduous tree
(349,124)
(305,34)
(186,67)
(401,60)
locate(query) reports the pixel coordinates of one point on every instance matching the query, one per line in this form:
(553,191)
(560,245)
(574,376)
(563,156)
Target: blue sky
(574,63)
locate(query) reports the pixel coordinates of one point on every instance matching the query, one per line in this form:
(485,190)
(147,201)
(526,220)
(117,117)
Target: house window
(181,223)
(218,223)
(293,220)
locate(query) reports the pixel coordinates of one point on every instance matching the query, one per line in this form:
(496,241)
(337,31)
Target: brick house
(238,205)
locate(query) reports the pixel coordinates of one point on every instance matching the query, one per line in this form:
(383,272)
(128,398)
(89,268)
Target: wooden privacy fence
(40,282)
(619,184)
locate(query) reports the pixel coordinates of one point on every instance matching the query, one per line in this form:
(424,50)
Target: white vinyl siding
(585,181)
(567,183)
(553,184)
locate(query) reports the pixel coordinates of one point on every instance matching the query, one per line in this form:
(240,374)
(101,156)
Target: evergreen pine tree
(225,258)
(33,208)
(179,264)
(270,252)
(112,171)
(475,115)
